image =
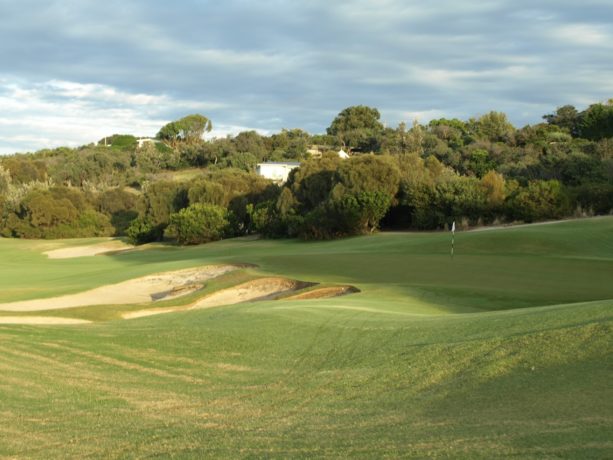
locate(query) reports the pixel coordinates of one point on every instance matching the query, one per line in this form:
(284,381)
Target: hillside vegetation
(503,351)
(475,172)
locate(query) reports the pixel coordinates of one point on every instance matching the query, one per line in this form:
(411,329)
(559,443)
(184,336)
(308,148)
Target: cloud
(131,66)
(56,113)
(587,35)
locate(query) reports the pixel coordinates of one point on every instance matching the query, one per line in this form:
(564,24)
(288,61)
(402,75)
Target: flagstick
(452,237)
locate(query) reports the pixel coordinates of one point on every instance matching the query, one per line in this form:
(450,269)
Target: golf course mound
(160,286)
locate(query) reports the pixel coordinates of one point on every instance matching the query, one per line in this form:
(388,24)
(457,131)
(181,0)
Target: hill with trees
(180,186)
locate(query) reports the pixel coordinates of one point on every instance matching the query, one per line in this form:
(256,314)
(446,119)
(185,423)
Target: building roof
(281,163)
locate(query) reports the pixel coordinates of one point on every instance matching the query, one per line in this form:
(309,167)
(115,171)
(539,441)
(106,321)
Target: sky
(74,71)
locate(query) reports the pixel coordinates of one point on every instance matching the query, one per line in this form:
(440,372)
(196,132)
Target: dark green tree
(251,142)
(597,122)
(357,128)
(565,117)
(480,163)
(142,230)
(120,205)
(163,198)
(187,129)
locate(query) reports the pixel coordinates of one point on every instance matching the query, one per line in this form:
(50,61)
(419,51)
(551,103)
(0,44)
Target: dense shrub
(163,198)
(539,200)
(23,169)
(121,141)
(199,223)
(351,214)
(55,213)
(89,223)
(266,220)
(120,206)
(141,231)
(594,198)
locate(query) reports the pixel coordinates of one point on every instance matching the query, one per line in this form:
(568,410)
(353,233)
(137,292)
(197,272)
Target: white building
(146,140)
(277,171)
(342,154)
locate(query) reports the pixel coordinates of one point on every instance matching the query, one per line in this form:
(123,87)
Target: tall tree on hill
(493,126)
(357,128)
(187,129)
(597,121)
(565,117)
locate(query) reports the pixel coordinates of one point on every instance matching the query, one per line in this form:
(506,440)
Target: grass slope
(387,372)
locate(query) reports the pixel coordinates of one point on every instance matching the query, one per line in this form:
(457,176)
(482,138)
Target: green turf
(502,352)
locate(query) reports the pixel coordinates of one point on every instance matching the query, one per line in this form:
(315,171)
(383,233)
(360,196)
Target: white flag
(453,227)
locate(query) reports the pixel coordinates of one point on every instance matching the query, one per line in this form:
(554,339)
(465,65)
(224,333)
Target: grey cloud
(276,63)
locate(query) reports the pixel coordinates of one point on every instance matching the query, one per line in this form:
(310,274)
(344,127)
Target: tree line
(183,187)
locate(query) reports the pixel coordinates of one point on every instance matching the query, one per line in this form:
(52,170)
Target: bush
(92,223)
(373,206)
(539,200)
(162,198)
(142,231)
(199,223)
(352,214)
(122,141)
(268,221)
(121,207)
(597,197)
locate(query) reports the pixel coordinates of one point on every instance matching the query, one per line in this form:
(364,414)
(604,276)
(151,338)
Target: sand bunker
(38,320)
(85,251)
(270,288)
(161,286)
(323,293)
(150,312)
(259,289)
(169,285)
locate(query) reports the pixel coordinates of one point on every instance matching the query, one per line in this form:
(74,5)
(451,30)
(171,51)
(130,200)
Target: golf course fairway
(503,351)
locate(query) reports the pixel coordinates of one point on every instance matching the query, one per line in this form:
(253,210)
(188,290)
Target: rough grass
(392,371)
